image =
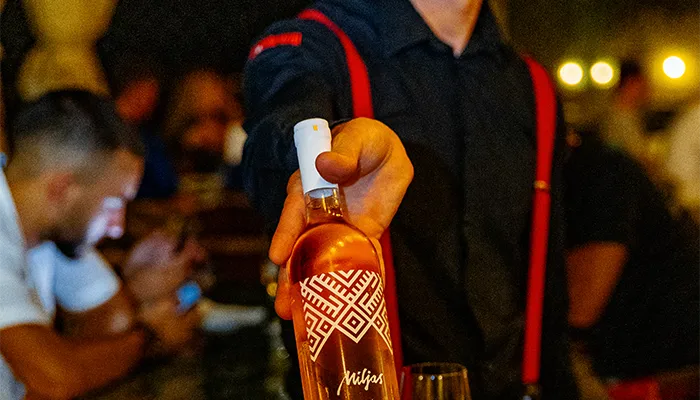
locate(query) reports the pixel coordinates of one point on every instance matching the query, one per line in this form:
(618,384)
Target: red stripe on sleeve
(282,39)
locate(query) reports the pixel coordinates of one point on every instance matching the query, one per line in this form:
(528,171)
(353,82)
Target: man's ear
(62,190)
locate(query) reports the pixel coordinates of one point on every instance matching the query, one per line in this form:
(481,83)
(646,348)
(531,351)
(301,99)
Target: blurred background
(184,34)
(174,68)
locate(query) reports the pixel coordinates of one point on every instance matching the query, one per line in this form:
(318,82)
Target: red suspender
(362,107)
(546,122)
(546,118)
(359,80)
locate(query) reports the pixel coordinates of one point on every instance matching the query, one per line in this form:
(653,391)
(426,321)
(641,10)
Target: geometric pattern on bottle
(350,302)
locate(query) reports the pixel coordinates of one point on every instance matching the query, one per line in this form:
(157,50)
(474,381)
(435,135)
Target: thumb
(337,168)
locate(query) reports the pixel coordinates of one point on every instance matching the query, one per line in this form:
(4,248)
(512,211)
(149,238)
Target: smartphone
(188,295)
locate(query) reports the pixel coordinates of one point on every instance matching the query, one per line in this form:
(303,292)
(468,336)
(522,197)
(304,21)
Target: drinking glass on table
(434,381)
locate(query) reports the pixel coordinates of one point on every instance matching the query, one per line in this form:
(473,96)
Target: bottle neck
(323,206)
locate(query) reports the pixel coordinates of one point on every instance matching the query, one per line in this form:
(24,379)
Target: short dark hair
(73,121)
(75,117)
(629,70)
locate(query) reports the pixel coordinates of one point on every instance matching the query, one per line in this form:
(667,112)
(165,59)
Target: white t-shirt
(33,282)
(624,129)
(683,164)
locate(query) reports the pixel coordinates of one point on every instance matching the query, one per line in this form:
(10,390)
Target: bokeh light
(674,67)
(571,73)
(602,73)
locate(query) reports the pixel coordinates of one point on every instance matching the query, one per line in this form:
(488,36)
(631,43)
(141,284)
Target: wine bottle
(338,305)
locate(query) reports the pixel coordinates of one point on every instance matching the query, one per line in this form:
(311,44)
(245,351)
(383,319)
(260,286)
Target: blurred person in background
(683,160)
(75,166)
(203,125)
(625,126)
(194,147)
(136,86)
(461,101)
(633,267)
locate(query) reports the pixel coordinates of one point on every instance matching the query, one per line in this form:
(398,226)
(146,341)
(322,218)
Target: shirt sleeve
(602,198)
(19,304)
(85,283)
(285,84)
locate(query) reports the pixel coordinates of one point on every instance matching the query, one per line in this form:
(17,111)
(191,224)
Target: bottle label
(350,302)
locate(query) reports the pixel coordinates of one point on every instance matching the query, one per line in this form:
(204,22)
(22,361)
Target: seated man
(633,268)
(74,168)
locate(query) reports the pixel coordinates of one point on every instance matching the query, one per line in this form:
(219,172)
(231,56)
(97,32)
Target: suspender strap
(546,121)
(362,107)
(359,80)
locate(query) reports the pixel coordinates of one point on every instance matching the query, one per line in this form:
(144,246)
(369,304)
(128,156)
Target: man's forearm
(116,317)
(593,272)
(52,367)
(106,360)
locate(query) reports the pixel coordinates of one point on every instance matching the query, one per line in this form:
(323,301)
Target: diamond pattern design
(350,302)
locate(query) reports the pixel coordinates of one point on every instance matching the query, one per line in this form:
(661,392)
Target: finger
(193,251)
(156,246)
(284,295)
(192,319)
(292,222)
(156,312)
(150,284)
(180,264)
(341,164)
(367,142)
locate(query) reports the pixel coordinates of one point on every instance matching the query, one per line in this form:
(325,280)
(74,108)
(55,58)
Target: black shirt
(651,321)
(460,237)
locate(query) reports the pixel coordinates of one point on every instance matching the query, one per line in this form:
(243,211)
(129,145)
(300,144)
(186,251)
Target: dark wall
(177,34)
(193,32)
(552,29)
(180,34)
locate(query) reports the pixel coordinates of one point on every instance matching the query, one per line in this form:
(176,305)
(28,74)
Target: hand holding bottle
(333,278)
(370,163)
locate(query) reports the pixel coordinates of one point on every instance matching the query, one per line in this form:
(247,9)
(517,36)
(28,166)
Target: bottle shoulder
(330,247)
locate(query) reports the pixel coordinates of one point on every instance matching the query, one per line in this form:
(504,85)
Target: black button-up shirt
(461,236)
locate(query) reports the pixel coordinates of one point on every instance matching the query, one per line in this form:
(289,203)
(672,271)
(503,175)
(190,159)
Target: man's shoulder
(12,256)
(310,35)
(294,35)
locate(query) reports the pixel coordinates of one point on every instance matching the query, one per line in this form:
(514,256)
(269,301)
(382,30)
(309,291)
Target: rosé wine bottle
(338,306)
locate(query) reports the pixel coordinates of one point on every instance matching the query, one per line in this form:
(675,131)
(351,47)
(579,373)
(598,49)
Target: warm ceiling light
(674,67)
(571,73)
(602,73)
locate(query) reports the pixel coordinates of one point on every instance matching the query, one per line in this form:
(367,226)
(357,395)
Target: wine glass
(435,381)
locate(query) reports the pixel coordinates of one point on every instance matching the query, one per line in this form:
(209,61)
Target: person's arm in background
(56,368)
(594,269)
(601,215)
(93,302)
(116,316)
(102,341)
(50,366)
(153,272)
